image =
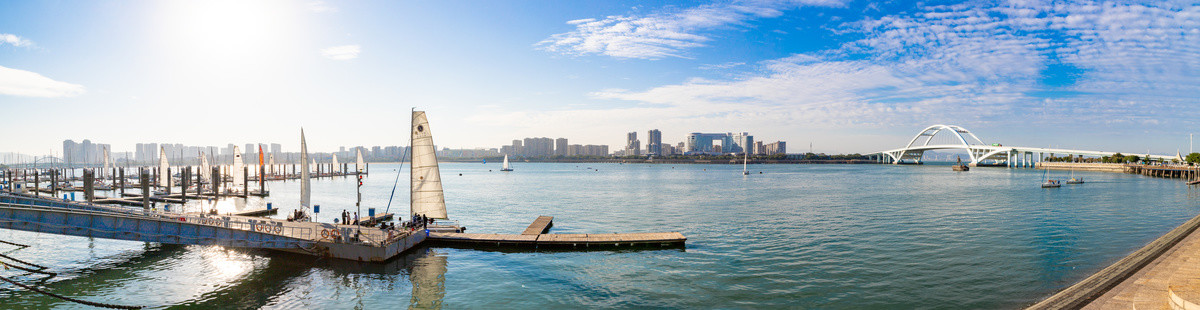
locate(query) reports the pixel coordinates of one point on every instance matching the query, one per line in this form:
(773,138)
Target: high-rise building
(758,148)
(68,153)
(775,148)
(87,152)
(741,143)
(654,142)
(537,147)
(276,149)
(702,143)
(560,147)
(633,146)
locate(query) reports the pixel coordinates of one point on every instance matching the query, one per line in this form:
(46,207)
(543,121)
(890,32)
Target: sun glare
(228,30)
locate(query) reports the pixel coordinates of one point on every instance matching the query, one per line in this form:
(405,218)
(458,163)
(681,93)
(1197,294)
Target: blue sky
(848,76)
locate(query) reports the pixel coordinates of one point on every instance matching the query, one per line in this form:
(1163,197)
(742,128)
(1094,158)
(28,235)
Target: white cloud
(983,65)
(14,40)
(16,82)
(321,7)
(721,66)
(343,52)
(664,34)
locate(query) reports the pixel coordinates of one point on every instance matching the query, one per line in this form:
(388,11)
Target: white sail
(359,164)
(335,164)
(107,164)
(426,180)
(505,166)
(305,190)
(164,168)
(744,161)
(271,164)
(239,175)
(205,170)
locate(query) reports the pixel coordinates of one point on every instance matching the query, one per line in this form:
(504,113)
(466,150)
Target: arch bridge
(979,152)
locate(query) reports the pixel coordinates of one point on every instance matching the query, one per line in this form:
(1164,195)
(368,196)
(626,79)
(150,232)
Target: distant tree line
(1118,158)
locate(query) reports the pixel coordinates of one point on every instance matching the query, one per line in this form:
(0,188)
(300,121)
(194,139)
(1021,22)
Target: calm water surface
(797,236)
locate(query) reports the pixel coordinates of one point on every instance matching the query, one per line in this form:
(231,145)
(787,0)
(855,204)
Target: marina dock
(539,226)
(536,236)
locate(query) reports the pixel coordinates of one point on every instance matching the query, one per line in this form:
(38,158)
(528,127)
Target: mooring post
(216,180)
(53,183)
(199,183)
(245,185)
(262,181)
(37,189)
(89,184)
(184,179)
(145,190)
(122,171)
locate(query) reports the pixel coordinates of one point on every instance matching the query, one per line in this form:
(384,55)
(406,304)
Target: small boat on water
(505,167)
(960,166)
(1073,179)
(744,161)
(1048,183)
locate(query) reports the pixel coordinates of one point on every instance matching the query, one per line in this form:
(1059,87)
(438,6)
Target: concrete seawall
(1102,167)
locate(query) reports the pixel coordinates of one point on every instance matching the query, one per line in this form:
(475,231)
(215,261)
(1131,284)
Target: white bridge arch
(980,152)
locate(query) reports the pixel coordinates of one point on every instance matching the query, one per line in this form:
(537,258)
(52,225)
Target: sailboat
(359,165)
(271,164)
(1048,183)
(425,187)
(205,169)
(335,166)
(505,167)
(745,160)
(305,186)
(164,169)
(239,175)
(1073,179)
(108,165)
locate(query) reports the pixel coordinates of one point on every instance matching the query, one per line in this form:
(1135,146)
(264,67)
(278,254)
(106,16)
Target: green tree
(1133,158)
(1193,158)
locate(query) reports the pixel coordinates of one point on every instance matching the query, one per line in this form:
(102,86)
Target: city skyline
(846,76)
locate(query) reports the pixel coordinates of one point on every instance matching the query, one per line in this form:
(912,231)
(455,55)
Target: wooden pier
(540,239)
(540,226)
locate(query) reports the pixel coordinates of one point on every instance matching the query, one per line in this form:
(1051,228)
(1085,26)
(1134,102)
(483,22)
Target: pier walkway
(1164,274)
(536,236)
(56,216)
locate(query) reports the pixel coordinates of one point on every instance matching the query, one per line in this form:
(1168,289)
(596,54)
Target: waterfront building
(277,149)
(779,147)
(666,149)
(595,150)
(758,148)
(704,143)
(633,146)
(654,142)
(560,147)
(538,147)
